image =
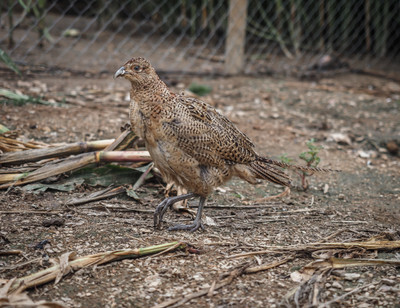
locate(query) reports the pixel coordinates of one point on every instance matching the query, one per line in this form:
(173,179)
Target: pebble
(386,288)
(337,285)
(351,276)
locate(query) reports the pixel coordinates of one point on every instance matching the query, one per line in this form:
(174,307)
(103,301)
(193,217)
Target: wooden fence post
(236,36)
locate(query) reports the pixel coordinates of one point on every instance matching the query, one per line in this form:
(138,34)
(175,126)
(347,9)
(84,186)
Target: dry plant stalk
(8,144)
(71,164)
(368,245)
(69,263)
(118,144)
(58,151)
(343,263)
(22,299)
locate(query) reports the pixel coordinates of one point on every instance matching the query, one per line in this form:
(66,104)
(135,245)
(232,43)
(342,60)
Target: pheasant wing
(207,135)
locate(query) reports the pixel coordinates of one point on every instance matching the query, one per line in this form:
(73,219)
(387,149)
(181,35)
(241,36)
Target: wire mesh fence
(204,36)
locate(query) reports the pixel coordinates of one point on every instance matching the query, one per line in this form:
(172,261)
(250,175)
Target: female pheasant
(191,143)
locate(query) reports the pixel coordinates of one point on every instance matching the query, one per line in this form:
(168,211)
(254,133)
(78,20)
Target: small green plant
(5,58)
(286,159)
(310,157)
(19,99)
(199,89)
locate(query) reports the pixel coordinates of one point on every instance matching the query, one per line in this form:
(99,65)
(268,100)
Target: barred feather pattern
(190,142)
(269,172)
(295,167)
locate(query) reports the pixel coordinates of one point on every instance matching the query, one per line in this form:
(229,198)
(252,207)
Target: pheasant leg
(164,205)
(197,221)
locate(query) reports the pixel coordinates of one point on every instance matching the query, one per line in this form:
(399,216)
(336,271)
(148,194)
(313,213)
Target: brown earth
(353,117)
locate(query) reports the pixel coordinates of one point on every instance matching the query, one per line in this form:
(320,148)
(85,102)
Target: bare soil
(353,117)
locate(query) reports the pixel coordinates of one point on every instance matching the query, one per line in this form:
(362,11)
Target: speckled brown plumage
(191,143)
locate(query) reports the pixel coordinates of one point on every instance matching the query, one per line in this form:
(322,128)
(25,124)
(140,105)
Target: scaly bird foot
(160,211)
(164,205)
(192,227)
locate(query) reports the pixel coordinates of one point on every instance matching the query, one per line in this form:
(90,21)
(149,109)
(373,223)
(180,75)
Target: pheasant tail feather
(265,170)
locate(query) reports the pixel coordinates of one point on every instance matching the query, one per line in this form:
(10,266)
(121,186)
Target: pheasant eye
(136,68)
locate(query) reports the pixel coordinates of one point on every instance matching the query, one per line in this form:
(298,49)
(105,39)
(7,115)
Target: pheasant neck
(156,87)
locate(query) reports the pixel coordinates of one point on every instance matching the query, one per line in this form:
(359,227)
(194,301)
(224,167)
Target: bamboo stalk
(72,163)
(123,156)
(63,150)
(123,141)
(120,143)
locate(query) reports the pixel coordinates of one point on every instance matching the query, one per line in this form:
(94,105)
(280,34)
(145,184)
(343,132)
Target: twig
(339,298)
(267,266)
(182,300)
(11,267)
(116,208)
(278,196)
(355,222)
(142,178)
(333,235)
(98,195)
(10,252)
(24,212)
(243,269)
(212,289)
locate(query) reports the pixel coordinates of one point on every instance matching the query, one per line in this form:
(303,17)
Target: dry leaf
(65,268)
(22,299)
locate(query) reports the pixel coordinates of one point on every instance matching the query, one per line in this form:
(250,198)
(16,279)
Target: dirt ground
(355,118)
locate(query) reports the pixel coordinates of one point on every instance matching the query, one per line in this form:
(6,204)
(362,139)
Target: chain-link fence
(204,36)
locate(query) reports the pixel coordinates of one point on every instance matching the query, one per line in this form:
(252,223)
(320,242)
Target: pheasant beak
(120,72)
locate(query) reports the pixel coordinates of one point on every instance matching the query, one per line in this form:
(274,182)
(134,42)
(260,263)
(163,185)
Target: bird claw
(191,228)
(165,204)
(160,211)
